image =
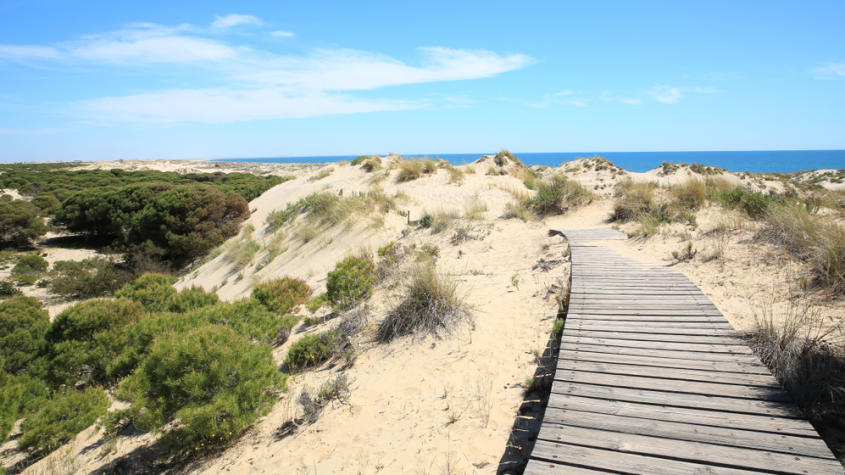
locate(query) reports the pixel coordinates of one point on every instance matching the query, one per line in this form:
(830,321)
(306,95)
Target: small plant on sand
(557,196)
(475,209)
(282,295)
(686,254)
(313,350)
(351,282)
(689,195)
(371,164)
(28,269)
(456,176)
(431,304)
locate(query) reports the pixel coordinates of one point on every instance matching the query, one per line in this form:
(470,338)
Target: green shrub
(8,289)
(633,200)
(282,295)
(23,324)
(20,397)
(248,317)
(29,268)
(557,196)
(312,350)
(351,281)
(425,221)
(93,277)
(66,414)
(157,294)
(431,303)
(317,302)
(753,203)
(359,160)
(84,339)
(20,223)
(557,330)
(214,381)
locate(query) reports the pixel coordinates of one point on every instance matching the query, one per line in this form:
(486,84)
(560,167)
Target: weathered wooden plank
(601,347)
(695,401)
(782,443)
(558,457)
(777,425)
(677,328)
(672,385)
(699,452)
(666,337)
(665,372)
(585,353)
(658,345)
(647,318)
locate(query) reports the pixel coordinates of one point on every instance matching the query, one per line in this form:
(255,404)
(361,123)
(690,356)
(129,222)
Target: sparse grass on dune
(811,238)
(410,170)
(328,209)
(807,356)
(430,304)
(322,174)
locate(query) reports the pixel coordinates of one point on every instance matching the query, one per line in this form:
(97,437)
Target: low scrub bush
(633,200)
(20,223)
(282,295)
(753,203)
(60,418)
(23,324)
(314,350)
(412,169)
(8,289)
(84,339)
(157,294)
(431,303)
(371,164)
(29,268)
(556,196)
(93,277)
(351,281)
(214,381)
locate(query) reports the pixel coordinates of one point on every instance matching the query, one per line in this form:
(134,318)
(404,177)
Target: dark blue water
(777,161)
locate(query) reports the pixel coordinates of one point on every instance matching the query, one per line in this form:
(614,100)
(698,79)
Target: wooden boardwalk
(651,378)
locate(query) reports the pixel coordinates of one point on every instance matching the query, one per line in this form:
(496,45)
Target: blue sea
(762,161)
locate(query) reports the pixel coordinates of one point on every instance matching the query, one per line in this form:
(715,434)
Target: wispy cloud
(230,21)
(610,96)
(223,105)
(283,34)
(560,98)
(832,70)
(666,94)
(139,43)
(252,84)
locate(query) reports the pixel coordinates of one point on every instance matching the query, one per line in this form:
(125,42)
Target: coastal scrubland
(383,314)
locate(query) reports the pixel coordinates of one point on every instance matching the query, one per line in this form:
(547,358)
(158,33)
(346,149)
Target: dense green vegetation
(28,269)
(210,378)
(351,281)
(94,277)
(282,295)
(173,355)
(20,223)
(158,216)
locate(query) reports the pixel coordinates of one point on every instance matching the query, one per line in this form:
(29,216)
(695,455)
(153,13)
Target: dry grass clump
(456,176)
(689,195)
(504,156)
(241,251)
(557,196)
(431,304)
(811,238)
(515,210)
(633,200)
(412,169)
(371,164)
(806,356)
(328,209)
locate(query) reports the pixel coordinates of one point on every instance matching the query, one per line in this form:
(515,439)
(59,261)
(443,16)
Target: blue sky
(110,80)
